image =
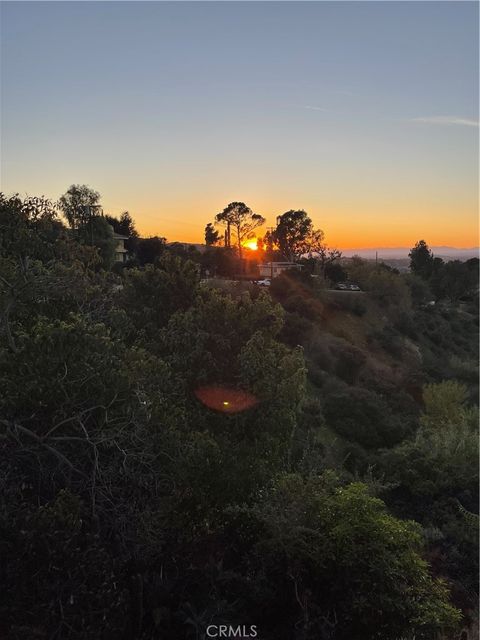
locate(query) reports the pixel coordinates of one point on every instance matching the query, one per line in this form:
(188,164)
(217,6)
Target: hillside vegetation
(326,490)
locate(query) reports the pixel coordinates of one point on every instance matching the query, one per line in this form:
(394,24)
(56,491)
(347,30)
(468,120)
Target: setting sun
(251,244)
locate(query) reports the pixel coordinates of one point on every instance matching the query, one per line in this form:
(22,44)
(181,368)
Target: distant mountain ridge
(447,253)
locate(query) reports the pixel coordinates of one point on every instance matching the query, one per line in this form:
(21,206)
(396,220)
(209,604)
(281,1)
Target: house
(120,250)
(272,269)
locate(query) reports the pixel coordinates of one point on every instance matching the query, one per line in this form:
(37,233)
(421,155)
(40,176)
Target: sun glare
(252,244)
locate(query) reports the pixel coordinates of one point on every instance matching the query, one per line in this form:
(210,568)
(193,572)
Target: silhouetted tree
(242,220)
(212,236)
(421,259)
(98,233)
(220,261)
(125,226)
(327,257)
(79,204)
(149,249)
(295,235)
(454,280)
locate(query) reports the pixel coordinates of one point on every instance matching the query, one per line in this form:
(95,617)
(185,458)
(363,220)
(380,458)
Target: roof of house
(118,236)
(280,264)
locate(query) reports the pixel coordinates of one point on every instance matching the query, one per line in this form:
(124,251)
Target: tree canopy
(295,235)
(451,280)
(212,236)
(125,226)
(133,506)
(78,204)
(238,217)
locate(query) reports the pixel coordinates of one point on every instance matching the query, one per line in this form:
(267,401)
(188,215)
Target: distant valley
(446,253)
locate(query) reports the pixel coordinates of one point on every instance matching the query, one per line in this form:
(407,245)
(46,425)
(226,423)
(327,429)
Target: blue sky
(365,114)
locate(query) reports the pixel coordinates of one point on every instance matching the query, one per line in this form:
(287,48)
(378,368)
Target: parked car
(266,282)
(347,286)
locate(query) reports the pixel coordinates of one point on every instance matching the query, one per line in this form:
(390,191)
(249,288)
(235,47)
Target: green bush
(363,417)
(333,561)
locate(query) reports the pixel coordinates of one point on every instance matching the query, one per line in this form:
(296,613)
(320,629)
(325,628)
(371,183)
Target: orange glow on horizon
(348,224)
(462,237)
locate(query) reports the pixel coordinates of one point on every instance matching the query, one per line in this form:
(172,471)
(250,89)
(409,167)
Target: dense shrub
(389,339)
(322,561)
(349,360)
(59,578)
(295,329)
(362,416)
(385,286)
(405,324)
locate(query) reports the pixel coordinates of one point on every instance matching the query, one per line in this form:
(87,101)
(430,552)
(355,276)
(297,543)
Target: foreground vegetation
(339,506)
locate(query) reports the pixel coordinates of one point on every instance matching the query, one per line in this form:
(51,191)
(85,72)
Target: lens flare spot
(225,399)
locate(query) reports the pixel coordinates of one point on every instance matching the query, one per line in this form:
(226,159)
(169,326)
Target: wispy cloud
(446,120)
(313,107)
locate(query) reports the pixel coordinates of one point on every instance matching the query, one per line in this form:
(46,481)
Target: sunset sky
(364,114)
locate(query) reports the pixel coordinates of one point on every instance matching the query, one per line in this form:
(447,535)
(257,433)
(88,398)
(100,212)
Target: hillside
(176,454)
(370,356)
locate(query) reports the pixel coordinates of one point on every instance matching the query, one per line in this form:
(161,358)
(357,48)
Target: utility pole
(89,212)
(271,229)
(227,236)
